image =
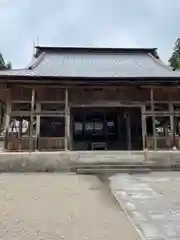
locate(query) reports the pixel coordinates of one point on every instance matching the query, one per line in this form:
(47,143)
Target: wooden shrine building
(91,99)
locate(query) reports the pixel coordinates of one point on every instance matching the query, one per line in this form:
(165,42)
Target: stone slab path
(154,215)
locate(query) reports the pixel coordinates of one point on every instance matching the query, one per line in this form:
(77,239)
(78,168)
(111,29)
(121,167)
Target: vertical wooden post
(143,122)
(71,133)
(31,121)
(67,121)
(1,122)
(171,111)
(20,128)
(153,118)
(38,121)
(7,118)
(128,122)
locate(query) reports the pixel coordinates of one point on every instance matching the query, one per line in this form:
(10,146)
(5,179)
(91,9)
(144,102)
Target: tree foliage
(3,65)
(175,58)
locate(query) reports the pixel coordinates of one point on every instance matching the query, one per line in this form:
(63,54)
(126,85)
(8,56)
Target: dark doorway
(106,128)
(52,127)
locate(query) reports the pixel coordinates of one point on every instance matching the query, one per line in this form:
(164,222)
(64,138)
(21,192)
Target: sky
(92,23)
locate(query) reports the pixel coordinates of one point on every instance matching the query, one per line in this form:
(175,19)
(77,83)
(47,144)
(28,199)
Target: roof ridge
(85,49)
(160,62)
(37,62)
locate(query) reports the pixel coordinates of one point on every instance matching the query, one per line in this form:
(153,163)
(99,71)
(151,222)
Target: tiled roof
(95,63)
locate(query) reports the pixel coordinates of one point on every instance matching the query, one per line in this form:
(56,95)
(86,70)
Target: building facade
(91,99)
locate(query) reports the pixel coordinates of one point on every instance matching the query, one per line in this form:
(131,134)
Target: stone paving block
(138,217)
(171,231)
(150,231)
(157,216)
(130,206)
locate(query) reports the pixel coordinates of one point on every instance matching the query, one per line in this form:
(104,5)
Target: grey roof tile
(94,65)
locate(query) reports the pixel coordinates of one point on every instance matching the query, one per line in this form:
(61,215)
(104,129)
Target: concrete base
(36,161)
(63,161)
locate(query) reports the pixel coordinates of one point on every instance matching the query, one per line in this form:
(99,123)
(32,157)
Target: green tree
(3,65)
(175,58)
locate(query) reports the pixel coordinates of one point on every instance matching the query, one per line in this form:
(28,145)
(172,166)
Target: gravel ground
(59,206)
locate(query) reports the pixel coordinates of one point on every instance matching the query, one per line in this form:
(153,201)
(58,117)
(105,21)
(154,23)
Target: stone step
(108,158)
(123,168)
(112,170)
(107,155)
(112,163)
(155,166)
(107,166)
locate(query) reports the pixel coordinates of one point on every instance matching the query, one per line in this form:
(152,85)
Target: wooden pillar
(67,121)
(143,122)
(1,114)
(7,118)
(20,128)
(38,122)
(71,133)
(128,124)
(31,120)
(171,111)
(153,118)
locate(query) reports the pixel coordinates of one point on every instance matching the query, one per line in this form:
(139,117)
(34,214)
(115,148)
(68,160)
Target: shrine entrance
(106,128)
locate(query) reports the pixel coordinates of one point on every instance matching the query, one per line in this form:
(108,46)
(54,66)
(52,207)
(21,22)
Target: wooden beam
(153,118)
(17,113)
(162,113)
(39,113)
(56,113)
(31,120)
(51,101)
(107,104)
(21,101)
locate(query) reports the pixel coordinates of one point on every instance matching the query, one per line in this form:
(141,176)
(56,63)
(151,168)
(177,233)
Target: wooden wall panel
(4,92)
(80,96)
(50,94)
(90,95)
(167,94)
(19,93)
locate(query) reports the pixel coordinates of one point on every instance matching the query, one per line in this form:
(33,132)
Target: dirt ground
(59,206)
